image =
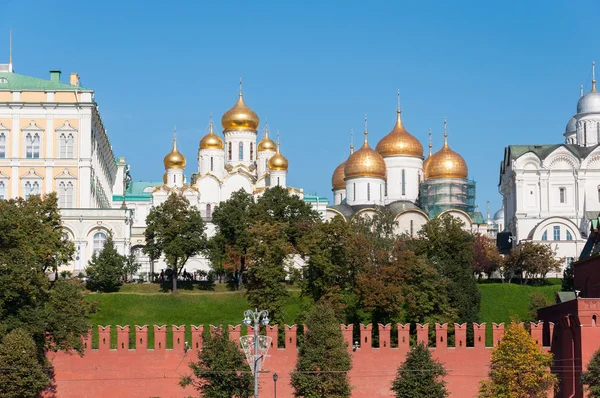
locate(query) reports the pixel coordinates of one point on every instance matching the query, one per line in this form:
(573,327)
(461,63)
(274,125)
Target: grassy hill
(144,304)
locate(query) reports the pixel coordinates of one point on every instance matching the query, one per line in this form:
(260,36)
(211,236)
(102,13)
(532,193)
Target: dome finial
(210,123)
(445,133)
(366,131)
(593,76)
(581,91)
(240,86)
(351,141)
(175,133)
(398,111)
(430,141)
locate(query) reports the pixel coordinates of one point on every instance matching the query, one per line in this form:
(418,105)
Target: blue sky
(502,72)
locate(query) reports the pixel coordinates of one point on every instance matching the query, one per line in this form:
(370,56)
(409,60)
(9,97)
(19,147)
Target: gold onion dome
(445,164)
(240,117)
(174,160)
(365,162)
(400,142)
(337,180)
(266,144)
(278,162)
(211,140)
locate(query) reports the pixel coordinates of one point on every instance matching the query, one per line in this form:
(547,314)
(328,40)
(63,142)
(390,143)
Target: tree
(266,275)
(519,368)
(230,245)
(323,360)
(176,230)
(591,377)
(131,267)
(221,370)
(449,248)
(536,301)
(533,259)
(53,314)
(378,228)
(420,376)
(568,282)
(106,269)
(486,257)
(24,372)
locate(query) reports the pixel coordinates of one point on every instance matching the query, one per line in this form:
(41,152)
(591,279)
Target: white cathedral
(550,192)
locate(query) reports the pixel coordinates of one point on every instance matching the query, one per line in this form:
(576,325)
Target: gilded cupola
(174,160)
(446,163)
(211,140)
(278,162)
(399,142)
(337,180)
(365,162)
(240,117)
(266,144)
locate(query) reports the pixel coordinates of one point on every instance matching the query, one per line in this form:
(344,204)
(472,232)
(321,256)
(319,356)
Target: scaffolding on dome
(441,194)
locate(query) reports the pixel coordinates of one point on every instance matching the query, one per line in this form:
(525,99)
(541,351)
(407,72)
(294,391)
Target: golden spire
(430,142)
(351,141)
(174,159)
(278,161)
(366,132)
(240,86)
(266,144)
(365,162)
(593,77)
(240,117)
(445,133)
(445,163)
(211,140)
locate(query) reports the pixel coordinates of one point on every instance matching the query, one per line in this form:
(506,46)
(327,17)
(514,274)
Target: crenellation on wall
(197,332)
(235,332)
(366,333)
(479,335)
(141,337)
(423,333)
(404,336)
(103,338)
(273,333)
(347,333)
(536,330)
(384,336)
(160,338)
(290,337)
(460,335)
(178,337)
(497,333)
(441,336)
(122,338)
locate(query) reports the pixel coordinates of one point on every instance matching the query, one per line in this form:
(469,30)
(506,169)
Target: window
(570,260)
(31,189)
(385,188)
(562,196)
(65,195)
(3,80)
(556,232)
(251,151)
(2,145)
(66,146)
(229,151)
(368,191)
(99,242)
(211,164)
(266,164)
(208,211)
(412,228)
(545,235)
(2,190)
(32,146)
(241,146)
(354,190)
(403,182)
(278,181)
(569,236)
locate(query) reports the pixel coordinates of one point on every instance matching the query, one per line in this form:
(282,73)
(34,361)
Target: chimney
(74,79)
(55,76)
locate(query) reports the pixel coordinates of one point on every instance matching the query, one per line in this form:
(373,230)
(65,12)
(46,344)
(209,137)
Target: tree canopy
(106,269)
(420,376)
(591,377)
(174,230)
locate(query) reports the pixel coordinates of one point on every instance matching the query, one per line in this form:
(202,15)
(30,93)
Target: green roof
(315,198)
(22,82)
(135,191)
(542,151)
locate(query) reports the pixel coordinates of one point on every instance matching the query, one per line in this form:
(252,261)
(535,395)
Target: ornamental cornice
(239,134)
(31,174)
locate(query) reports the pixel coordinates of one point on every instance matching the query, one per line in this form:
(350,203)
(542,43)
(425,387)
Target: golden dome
(337,180)
(266,144)
(211,140)
(278,162)
(174,160)
(445,164)
(240,117)
(400,142)
(365,163)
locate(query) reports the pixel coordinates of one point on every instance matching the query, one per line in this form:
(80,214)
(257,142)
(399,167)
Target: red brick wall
(141,372)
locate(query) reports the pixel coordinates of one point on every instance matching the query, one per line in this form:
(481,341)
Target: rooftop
(17,82)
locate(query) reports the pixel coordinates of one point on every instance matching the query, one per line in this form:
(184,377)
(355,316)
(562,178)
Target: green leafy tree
(568,282)
(176,230)
(519,368)
(532,259)
(24,371)
(323,360)
(221,370)
(106,269)
(536,301)
(486,257)
(131,266)
(53,314)
(420,376)
(266,275)
(591,377)
(450,249)
(377,228)
(229,247)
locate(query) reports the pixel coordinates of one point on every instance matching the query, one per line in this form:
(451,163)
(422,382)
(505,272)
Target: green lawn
(144,304)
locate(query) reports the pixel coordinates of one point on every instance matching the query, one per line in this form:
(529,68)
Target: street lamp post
(255,316)
(275,377)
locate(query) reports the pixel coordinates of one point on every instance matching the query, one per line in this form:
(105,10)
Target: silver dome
(589,103)
(571,126)
(499,215)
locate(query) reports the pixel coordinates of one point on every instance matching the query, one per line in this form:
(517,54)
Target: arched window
(545,235)
(208,210)
(229,151)
(66,144)
(241,147)
(31,188)
(354,190)
(569,236)
(32,146)
(368,191)
(562,197)
(99,242)
(65,195)
(251,151)
(2,190)
(211,164)
(556,232)
(278,181)
(2,146)
(385,188)
(403,182)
